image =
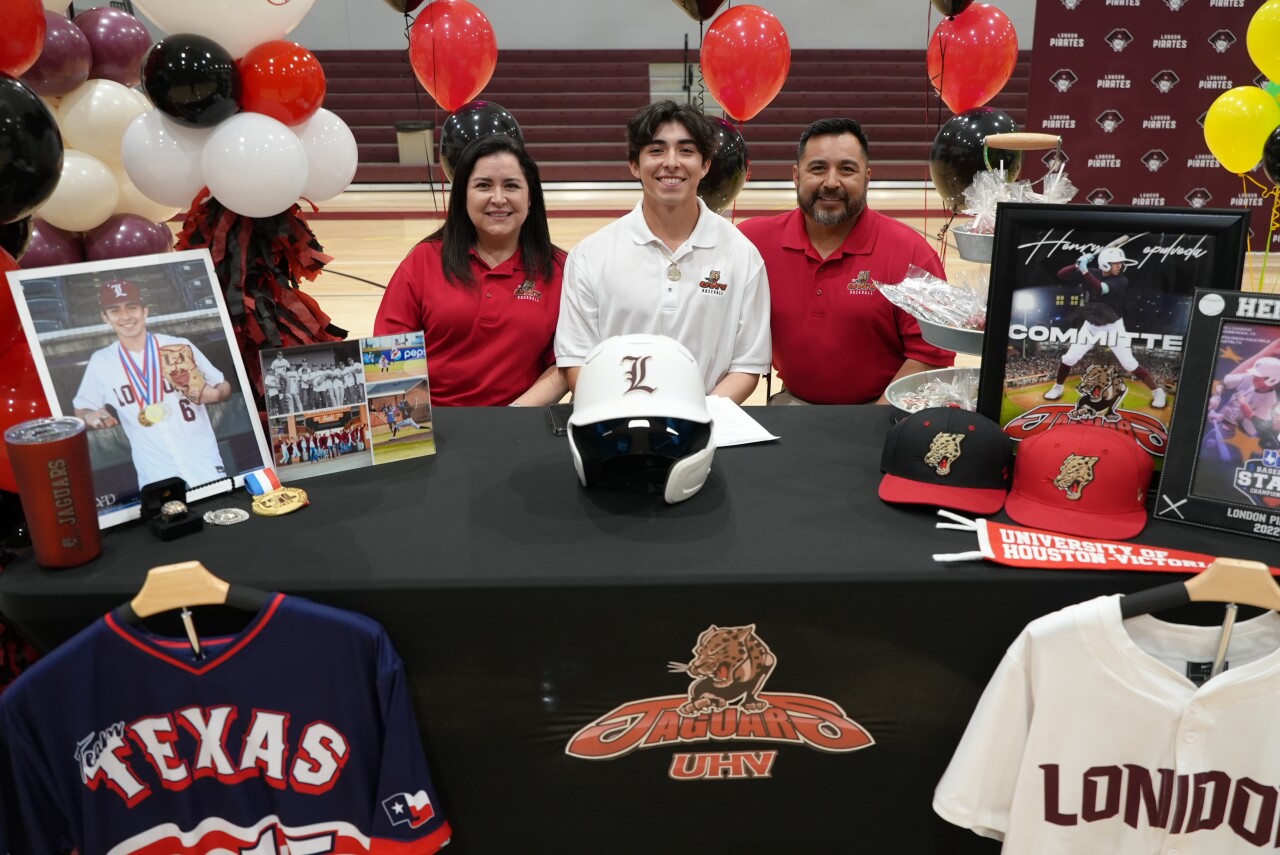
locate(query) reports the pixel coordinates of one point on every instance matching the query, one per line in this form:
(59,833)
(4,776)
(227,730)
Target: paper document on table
(732,424)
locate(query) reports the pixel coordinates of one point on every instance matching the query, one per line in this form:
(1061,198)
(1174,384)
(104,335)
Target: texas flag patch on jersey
(414,809)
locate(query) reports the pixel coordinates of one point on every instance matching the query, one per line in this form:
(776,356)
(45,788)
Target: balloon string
(1274,193)
(437,196)
(942,237)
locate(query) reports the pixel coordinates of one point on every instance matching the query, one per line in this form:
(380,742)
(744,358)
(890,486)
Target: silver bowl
(952,338)
(973,246)
(901,393)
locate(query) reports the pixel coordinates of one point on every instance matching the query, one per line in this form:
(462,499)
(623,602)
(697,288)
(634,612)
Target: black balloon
(951,8)
(192,79)
(701,10)
(15,237)
(1271,156)
(404,7)
(730,164)
(469,123)
(30,151)
(957,153)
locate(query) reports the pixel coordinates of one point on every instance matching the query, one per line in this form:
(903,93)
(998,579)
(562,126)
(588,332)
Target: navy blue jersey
(295,735)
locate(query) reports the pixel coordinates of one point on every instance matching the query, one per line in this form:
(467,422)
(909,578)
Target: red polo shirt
(486,343)
(836,339)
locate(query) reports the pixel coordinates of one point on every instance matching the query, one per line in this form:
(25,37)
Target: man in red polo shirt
(836,339)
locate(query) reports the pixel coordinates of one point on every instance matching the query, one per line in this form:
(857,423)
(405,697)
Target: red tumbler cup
(50,459)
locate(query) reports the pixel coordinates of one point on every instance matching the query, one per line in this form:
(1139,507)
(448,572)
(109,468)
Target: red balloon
(21,394)
(972,56)
(453,51)
(283,80)
(745,59)
(22,36)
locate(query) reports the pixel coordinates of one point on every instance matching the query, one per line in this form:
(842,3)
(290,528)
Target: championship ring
(277,503)
(155,413)
(172,509)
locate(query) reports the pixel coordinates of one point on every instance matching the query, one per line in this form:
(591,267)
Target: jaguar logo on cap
(1075,475)
(943,451)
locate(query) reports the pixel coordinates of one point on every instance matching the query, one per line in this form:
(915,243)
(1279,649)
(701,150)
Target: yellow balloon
(1238,124)
(1264,39)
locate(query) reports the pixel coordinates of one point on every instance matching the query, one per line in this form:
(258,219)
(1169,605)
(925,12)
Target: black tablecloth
(526,608)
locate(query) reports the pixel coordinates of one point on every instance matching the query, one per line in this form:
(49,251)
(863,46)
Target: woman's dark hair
(458,234)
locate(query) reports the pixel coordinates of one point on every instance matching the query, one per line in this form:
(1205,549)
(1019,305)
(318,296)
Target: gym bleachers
(572,107)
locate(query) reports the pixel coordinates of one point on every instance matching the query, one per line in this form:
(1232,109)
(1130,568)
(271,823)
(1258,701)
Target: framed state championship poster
(1088,310)
(1223,469)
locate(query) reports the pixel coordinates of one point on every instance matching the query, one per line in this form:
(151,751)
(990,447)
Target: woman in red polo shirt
(485,287)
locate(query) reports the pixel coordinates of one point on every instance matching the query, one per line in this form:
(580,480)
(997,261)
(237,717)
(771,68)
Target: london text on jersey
(1160,798)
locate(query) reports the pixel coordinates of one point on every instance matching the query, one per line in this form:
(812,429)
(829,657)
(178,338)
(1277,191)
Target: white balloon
(163,158)
(94,115)
(237,25)
(134,201)
(254,165)
(85,196)
(331,155)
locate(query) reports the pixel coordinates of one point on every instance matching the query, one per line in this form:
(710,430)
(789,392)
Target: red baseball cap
(949,458)
(1081,479)
(117,292)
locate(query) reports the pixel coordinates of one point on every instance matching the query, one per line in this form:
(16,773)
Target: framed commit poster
(1223,469)
(1088,309)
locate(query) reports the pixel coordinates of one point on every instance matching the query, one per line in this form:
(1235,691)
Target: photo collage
(346,405)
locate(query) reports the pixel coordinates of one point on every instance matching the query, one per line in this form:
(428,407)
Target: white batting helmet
(1268,368)
(640,405)
(1114,255)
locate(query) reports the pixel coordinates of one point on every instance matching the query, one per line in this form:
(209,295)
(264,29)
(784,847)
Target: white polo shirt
(615,283)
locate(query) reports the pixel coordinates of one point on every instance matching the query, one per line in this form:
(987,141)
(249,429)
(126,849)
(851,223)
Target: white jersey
(1093,738)
(181,445)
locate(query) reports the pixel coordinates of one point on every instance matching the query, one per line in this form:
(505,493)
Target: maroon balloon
(50,245)
(64,61)
(125,235)
(118,40)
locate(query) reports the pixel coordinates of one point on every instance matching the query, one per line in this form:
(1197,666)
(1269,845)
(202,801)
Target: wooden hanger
(1226,580)
(186,584)
(176,586)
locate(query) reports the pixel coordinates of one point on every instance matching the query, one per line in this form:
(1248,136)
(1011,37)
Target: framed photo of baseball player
(1088,310)
(142,349)
(1223,467)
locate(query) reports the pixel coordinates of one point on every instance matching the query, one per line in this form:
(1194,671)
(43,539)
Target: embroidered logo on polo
(637,373)
(861,284)
(712,284)
(944,451)
(1076,474)
(526,290)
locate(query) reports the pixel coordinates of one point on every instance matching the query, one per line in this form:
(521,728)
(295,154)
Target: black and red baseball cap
(1081,479)
(948,458)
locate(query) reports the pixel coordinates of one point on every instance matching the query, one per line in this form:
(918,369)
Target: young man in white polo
(671,266)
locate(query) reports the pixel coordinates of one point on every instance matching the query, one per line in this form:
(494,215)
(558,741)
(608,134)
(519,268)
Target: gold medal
(142,418)
(277,503)
(155,413)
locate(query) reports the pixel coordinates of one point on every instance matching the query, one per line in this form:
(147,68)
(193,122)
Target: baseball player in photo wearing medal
(156,387)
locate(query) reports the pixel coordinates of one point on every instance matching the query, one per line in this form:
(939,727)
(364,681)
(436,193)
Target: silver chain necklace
(673,269)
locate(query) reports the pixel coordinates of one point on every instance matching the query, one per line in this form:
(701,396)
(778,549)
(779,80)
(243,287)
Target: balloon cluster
(237,110)
(60,170)
(1242,126)
(972,54)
